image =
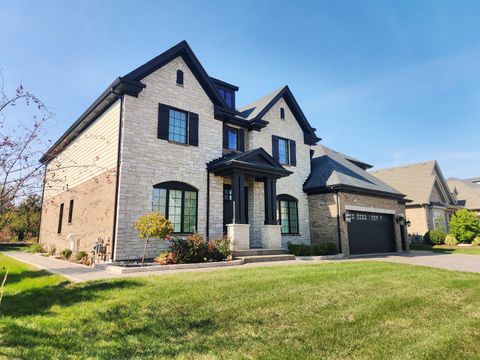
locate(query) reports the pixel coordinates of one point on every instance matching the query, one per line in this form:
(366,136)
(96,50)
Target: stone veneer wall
(418,217)
(291,185)
(323,216)
(92,214)
(146,160)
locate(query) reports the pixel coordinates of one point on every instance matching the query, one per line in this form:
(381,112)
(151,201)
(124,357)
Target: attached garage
(351,208)
(370,233)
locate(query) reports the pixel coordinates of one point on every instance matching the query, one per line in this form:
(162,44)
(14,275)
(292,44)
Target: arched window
(179,77)
(177,201)
(282,113)
(288,213)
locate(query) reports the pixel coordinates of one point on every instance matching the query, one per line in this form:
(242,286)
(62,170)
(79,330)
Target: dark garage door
(370,233)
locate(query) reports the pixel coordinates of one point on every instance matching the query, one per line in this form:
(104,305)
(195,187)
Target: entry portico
(240,168)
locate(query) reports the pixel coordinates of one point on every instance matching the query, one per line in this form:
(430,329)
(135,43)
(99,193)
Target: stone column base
(239,236)
(271,236)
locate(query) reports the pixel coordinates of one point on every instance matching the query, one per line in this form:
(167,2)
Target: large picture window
(177,202)
(288,214)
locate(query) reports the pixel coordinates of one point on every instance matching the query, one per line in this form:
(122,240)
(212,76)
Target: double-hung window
(177,202)
(284,150)
(288,214)
(177,126)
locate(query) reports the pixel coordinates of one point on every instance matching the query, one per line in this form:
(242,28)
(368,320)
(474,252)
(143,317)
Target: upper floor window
(288,214)
(282,113)
(233,138)
(179,77)
(284,150)
(177,202)
(227,95)
(177,126)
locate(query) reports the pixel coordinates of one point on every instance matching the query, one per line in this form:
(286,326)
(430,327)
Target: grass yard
(336,310)
(447,249)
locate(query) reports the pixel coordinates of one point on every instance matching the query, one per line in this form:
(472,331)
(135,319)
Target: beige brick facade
(323,215)
(92,216)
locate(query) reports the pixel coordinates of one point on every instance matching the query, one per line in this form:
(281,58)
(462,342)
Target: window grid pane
(175,209)
(284,217)
(177,128)
(159,201)
(232,139)
(190,211)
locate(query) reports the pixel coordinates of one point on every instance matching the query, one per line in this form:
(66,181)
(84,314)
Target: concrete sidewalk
(80,273)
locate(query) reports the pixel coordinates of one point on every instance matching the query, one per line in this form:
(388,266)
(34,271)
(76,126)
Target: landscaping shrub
(36,248)
(166,259)
(219,249)
(328,248)
(476,241)
(66,253)
(195,249)
(52,250)
(465,226)
(436,237)
(80,257)
(451,240)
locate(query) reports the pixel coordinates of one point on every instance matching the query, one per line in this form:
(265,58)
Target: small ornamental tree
(152,226)
(464,225)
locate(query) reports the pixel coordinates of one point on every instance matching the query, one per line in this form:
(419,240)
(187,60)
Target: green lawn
(336,310)
(447,249)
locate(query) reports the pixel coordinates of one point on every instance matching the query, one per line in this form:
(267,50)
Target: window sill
(291,234)
(181,85)
(178,143)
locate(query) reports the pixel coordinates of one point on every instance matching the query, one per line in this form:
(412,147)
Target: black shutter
(241,139)
(162,132)
(275,147)
(225,136)
(193,129)
(293,153)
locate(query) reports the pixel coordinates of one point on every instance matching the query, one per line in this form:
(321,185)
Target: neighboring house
(467,192)
(431,204)
(348,203)
(170,138)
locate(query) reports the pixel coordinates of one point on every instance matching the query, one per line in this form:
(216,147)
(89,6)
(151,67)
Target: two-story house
(168,137)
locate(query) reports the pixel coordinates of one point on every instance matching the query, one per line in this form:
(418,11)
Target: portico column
(270,193)
(238,195)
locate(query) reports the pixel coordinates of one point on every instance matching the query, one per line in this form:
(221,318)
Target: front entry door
(228,206)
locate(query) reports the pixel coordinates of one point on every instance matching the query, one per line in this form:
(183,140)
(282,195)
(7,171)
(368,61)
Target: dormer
(226,91)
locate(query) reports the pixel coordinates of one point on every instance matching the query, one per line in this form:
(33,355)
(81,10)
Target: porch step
(258,252)
(262,258)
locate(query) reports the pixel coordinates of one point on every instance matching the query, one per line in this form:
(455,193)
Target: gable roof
(468,193)
(130,84)
(254,111)
(256,162)
(332,170)
(417,181)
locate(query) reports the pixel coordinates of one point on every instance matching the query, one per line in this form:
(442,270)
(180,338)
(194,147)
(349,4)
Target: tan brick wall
(323,216)
(92,214)
(418,220)
(147,161)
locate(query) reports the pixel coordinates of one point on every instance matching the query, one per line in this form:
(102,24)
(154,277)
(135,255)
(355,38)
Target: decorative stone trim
(156,268)
(369,209)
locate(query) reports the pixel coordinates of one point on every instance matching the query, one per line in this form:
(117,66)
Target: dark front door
(228,205)
(370,233)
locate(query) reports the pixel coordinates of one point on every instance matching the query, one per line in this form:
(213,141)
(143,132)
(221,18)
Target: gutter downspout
(117,177)
(207,230)
(41,207)
(338,223)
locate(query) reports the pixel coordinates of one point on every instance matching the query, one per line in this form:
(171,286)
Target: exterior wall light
(347,216)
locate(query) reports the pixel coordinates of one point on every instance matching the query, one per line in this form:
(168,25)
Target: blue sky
(389,82)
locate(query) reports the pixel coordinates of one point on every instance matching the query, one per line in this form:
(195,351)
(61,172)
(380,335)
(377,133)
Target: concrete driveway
(458,262)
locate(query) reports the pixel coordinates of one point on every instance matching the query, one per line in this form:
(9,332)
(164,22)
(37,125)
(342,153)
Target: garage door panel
(371,233)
